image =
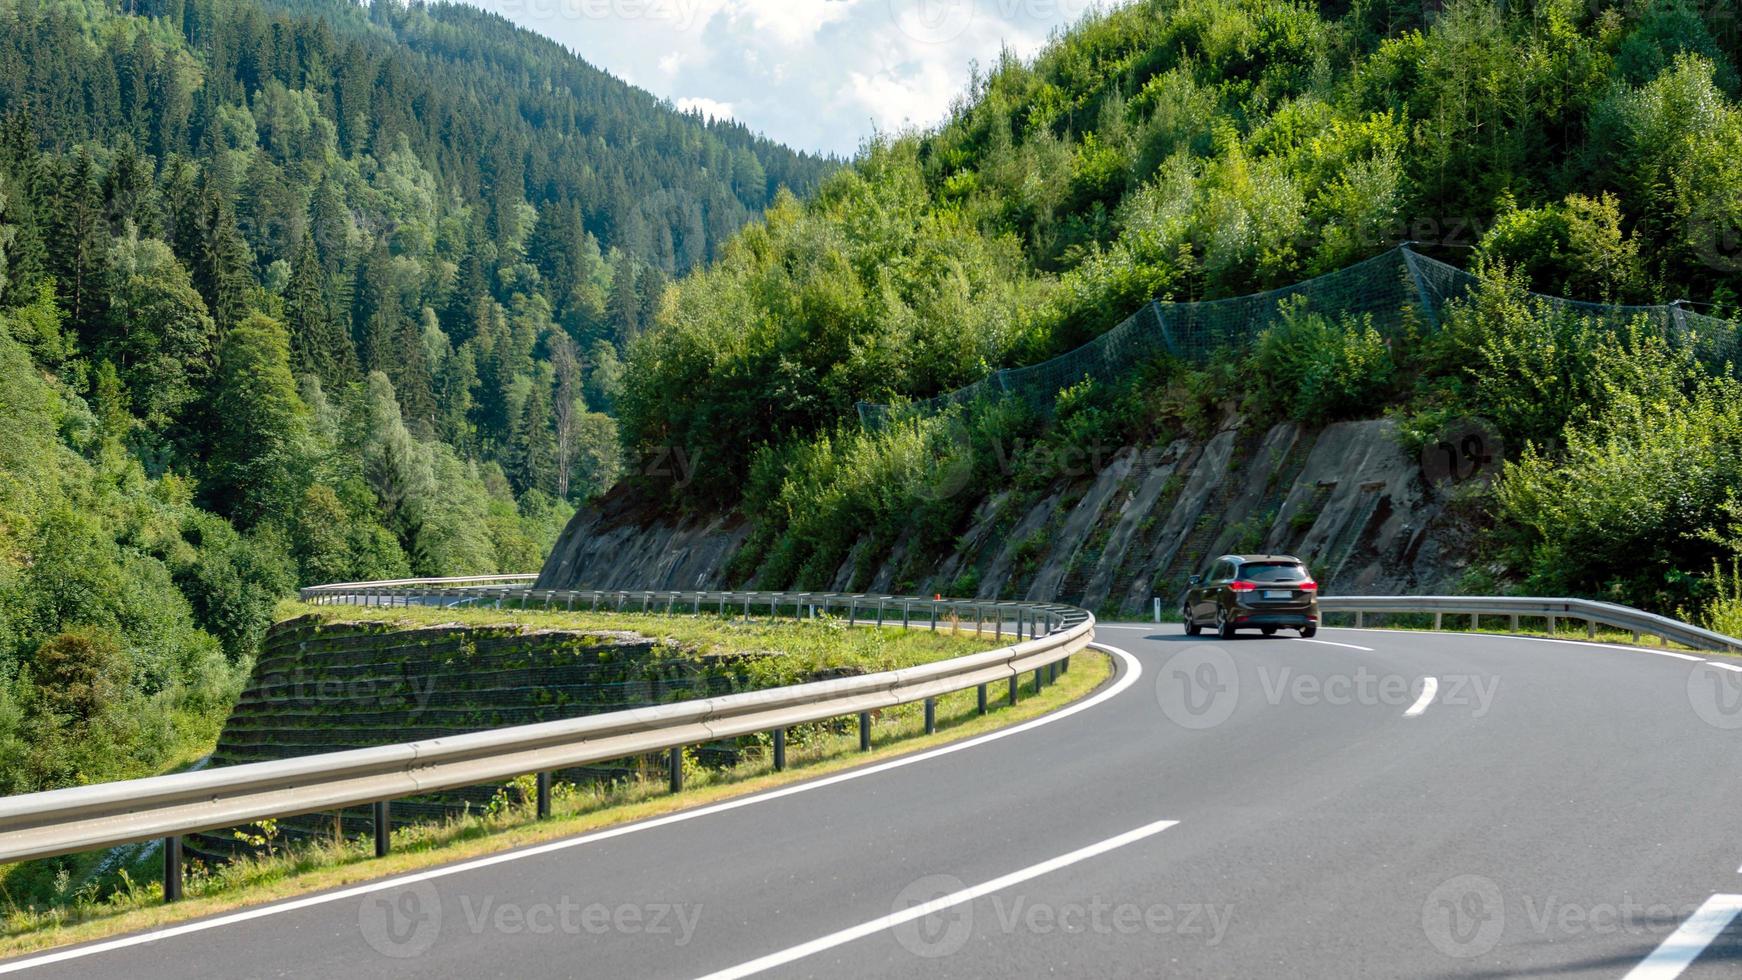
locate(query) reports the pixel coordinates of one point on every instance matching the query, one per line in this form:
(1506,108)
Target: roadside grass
(801,646)
(785,651)
(310,867)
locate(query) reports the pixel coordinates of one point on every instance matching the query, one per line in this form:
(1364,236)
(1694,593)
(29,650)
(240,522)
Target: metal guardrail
(84,818)
(1592,613)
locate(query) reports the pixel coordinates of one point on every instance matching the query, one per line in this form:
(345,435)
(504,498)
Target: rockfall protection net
(1388,287)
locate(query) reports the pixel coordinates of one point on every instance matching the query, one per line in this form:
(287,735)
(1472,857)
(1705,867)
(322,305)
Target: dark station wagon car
(1261,592)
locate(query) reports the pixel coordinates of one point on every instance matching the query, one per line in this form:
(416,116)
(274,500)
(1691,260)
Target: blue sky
(818,75)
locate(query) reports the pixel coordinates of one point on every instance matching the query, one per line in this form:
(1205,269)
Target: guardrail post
(1438,620)
(1635,637)
(1475,622)
(1039,678)
(1360,619)
(544,796)
(779,749)
(383,828)
(879,613)
(982,694)
(906,609)
(998,627)
(171,869)
(1590,629)
(1015,682)
(1551,625)
(1065,666)
(853,613)
(864,731)
(674,763)
(934,617)
(1514,619)
(931,716)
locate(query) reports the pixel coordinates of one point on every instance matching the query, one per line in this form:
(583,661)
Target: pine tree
(79,252)
(130,194)
(21,175)
(624,309)
(375,312)
(318,344)
(255,467)
(535,448)
(569,406)
(455,399)
(223,273)
(409,370)
(459,314)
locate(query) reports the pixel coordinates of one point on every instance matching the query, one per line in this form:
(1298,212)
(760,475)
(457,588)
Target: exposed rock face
(1346,498)
(610,548)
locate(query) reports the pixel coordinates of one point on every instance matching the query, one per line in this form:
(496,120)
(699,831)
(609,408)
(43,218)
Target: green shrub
(1312,369)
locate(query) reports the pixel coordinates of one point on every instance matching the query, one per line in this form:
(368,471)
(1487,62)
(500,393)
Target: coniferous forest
(297,293)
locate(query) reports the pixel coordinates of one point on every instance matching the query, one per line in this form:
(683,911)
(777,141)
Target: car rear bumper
(1274,614)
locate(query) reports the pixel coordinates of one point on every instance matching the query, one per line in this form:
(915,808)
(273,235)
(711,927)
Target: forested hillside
(1198,149)
(303,292)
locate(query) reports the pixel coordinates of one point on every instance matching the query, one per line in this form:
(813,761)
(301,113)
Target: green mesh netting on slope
(1387,287)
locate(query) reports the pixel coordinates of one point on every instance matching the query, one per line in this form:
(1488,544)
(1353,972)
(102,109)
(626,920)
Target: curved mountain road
(1367,804)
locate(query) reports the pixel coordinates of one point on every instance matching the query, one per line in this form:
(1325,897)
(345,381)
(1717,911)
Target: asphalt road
(1236,809)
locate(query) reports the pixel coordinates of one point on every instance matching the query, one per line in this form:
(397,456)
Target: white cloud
(707,107)
(815,74)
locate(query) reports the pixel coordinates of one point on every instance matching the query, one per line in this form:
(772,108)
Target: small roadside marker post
(1158,609)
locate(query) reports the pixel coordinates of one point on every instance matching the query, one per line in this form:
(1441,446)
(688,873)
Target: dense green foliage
(301,292)
(1199,149)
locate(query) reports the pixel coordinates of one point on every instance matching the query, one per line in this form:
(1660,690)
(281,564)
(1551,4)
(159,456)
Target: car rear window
(1273,573)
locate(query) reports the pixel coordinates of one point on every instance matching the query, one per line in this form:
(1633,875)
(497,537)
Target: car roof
(1262,559)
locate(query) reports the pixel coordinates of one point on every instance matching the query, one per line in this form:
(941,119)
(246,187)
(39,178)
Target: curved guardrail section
(83,818)
(1592,613)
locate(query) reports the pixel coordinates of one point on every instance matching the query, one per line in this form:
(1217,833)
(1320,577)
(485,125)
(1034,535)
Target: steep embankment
(1133,525)
(1202,152)
(329,685)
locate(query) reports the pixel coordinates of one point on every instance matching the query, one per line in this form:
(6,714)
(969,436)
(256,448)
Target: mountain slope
(303,292)
(1201,149)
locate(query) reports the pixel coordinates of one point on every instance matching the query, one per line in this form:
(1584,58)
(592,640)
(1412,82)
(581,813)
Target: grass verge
(305,869)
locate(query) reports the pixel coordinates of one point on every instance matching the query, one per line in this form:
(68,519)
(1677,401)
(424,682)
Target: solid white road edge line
(1133,670)
(1686,944)
(1429,689)
(1513,636)
(1721,666)
(924,909)
(1330,643)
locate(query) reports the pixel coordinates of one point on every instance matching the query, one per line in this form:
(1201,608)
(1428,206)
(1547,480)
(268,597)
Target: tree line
(303,293)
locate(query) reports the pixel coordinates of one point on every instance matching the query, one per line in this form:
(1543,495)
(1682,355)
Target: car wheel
(1308,632)
(1192,627)
(1224,628)
(1269,631)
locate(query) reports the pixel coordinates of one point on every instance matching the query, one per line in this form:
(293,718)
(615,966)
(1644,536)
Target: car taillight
(1308,586)
(1241,586)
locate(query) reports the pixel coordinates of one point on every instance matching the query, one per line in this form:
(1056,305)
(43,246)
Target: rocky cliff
(1130,527)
